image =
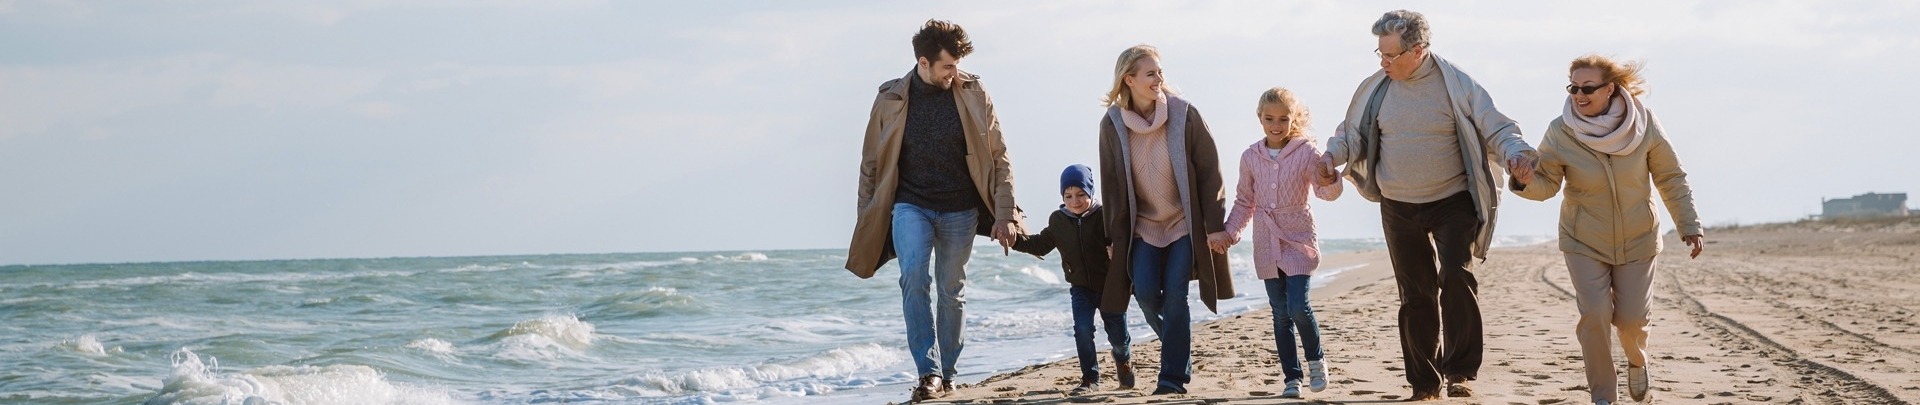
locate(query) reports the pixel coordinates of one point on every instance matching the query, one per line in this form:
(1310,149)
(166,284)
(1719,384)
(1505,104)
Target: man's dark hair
(940,35)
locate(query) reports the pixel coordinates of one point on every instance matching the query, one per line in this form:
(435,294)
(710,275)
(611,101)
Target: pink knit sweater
(1273,196)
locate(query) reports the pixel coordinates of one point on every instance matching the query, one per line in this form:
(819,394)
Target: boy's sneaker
(1124,370)
(1317,375)
(1087,386)
(1293,389)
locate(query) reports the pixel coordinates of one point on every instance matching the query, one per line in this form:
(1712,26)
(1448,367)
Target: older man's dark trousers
(1431,245)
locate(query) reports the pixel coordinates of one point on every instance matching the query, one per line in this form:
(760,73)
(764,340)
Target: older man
(1424,140)
(933,173)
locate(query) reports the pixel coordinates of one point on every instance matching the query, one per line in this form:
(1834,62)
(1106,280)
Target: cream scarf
(1617,132)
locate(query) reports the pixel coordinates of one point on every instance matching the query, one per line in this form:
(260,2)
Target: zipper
(1613,189)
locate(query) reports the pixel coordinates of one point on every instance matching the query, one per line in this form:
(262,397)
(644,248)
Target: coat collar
(1259,148)
(901,87)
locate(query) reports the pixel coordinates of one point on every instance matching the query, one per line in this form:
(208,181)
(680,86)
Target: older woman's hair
(1302,119)
(1411,26)
(1118,94)
(1626,75)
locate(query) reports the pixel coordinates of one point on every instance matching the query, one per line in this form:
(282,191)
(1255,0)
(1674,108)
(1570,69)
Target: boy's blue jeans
(1160,277)
(921,236)
(1085,303)
(1291,312)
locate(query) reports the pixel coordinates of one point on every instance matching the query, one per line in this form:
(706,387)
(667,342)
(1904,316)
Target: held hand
(1698,242)
(1004,233)
(1522,166)
(1326,175)
(1219,242)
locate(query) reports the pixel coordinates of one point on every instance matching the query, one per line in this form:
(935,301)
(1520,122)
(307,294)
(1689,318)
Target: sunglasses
(1587,90)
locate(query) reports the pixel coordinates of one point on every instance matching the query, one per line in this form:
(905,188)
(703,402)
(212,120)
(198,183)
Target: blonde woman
(1160,179)
(1611,155)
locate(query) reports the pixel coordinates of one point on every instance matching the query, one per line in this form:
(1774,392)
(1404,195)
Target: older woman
(1160,179)
(1612,155)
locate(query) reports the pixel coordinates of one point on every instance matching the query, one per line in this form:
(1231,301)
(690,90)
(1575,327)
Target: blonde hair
(1626,75)
(1118,95)
(1302,119)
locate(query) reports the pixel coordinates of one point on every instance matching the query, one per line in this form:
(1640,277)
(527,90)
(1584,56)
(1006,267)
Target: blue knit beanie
(1077,176)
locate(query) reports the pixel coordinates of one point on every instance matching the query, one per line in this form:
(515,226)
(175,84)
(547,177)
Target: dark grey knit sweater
(933,153)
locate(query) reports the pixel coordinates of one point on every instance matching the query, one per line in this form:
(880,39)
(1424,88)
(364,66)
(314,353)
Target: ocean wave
(431,345)
(642,303)
(544,338)
(193,381)
(223,278)
(811,375)
(89,346)
(743,257)
(1521,240)
(1021,324)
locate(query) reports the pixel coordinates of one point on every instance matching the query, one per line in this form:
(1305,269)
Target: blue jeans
(1160,276)
(1288,297)
(1085,303)
(920,235)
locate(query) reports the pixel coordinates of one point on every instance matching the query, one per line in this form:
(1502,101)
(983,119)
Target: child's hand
(1219,242)
(1326,175)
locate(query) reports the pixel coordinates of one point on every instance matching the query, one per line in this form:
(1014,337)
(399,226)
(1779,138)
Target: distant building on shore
(1867,205)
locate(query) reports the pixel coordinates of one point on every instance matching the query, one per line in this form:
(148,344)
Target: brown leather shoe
(1124,373)
(1457,387)
(931,387)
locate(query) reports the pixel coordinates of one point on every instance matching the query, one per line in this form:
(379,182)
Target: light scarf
(1617,132)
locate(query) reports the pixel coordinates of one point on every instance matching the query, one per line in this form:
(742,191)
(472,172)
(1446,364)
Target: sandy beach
(1810,313)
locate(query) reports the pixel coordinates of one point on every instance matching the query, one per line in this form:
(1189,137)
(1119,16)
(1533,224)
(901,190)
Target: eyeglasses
(1587,90)
(1390,58)
(1386,57)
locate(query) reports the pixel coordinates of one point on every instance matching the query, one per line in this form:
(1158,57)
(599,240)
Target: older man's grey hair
(1411,26)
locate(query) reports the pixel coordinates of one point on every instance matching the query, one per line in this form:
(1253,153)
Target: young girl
(1275,174)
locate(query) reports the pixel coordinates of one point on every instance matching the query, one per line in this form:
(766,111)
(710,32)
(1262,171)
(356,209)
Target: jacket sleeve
(1004,208)
(869,158)
(1546,180)
(1327,192)
(1206,160)
(1344,145)
(1500,135)
(1242,199)
(1038,245)
(1664,165)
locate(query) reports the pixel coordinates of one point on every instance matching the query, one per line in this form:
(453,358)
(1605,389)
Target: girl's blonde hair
(1302,119)
(1626,75)
(1118,95)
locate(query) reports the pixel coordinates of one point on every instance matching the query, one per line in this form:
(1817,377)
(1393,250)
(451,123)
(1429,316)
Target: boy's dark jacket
(1082,241)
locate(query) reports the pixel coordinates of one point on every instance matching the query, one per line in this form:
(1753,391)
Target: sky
(238,130)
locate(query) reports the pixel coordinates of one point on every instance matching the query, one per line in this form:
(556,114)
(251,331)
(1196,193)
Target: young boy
(1079,231)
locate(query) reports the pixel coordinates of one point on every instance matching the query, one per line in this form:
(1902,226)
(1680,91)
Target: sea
(760,327)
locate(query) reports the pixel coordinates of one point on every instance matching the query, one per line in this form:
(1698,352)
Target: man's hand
(1698,242)
(1004,233)
(1326,175)
(1523,165)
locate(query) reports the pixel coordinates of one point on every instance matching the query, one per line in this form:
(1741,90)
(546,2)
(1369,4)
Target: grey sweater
(1419,150)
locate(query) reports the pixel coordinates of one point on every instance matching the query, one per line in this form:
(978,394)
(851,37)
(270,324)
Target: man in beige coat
(1425,141)
(933,173)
